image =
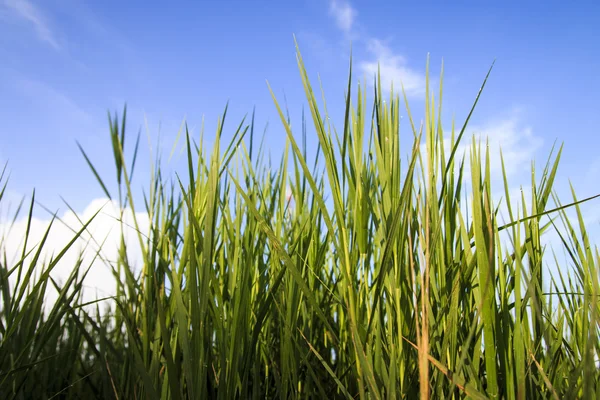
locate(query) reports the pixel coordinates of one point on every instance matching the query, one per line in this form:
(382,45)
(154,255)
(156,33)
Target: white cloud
(517,141)
(343,13)
(26,10)
(393,68)
(106,228)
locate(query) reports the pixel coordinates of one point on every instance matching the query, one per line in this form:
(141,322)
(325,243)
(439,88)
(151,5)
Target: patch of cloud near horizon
(105,230)
(27,11)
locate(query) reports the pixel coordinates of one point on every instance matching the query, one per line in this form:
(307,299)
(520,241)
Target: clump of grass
(374,283)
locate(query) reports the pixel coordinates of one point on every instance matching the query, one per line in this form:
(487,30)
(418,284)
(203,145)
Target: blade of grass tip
(232,148)
(190,163)
(114,138)
(548,180)
(212,199)
(259,156)
(4,171)
(347,122)
(177,138)
(5,182)
(408,112)
(252,133)
(198,151)
(462,131)
(135,153)
(287,110)
(16,214)
(123,121)
(94,171)
(307,173)
(118,147)
(347,110)
(324,137)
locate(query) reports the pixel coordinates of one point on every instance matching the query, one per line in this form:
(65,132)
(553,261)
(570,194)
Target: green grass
(370,282)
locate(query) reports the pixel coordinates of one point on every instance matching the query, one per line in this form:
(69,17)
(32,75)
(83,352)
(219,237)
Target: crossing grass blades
(377,278)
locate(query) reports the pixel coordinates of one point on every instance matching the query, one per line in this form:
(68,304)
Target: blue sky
(66,62)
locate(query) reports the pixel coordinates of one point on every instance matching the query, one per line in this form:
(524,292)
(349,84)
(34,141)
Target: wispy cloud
(343,13)
(55,107)
(516,140)
(26,10)
(392,65)
(509,134)
(393,68)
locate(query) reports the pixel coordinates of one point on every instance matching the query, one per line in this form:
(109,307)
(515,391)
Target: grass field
(370,271)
